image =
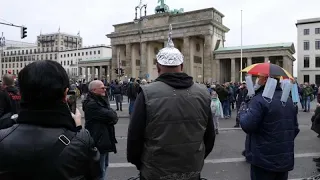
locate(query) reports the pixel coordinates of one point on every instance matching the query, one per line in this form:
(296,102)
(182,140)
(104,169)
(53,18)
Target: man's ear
(65,94)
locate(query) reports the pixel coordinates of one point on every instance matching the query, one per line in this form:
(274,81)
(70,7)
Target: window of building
(61,42)
(318,61)
(306,32)
(22,51)
(306,62)
(61,55)
(306,78)
(98,51)
(18,52)
(13,65)
(94,52)
(90,52)
(64,63)
(9,65)
(317,31)
(82,53)
(75,54)
(86,53)
(68,55)
(71,54)
(68,63)
(317,78)
(64,55)
(78,54)
(26,51)
(306,45)
(317,44)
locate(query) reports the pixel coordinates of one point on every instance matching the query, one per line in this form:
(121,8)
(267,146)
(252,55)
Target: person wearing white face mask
(271,127)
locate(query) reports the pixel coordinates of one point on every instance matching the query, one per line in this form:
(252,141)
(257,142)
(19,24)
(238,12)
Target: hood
(176,80)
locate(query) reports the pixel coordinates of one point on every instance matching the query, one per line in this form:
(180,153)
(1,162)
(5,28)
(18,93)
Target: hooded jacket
(158,116)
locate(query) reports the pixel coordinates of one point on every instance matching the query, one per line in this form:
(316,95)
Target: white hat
(170,56)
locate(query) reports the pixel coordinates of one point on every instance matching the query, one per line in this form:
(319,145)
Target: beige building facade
(196,34)
(228,59)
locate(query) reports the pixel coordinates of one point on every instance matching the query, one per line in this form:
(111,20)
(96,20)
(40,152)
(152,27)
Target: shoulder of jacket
(84,136)
(6,132)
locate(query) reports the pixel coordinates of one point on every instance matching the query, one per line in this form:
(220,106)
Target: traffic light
(23,32)
(116,70)
(122,72)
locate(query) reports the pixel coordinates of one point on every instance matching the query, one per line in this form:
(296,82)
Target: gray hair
(8,80)
(93,84)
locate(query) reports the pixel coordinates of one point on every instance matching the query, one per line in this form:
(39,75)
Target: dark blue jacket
(271,128)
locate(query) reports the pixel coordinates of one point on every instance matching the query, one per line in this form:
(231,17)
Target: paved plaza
(225,161)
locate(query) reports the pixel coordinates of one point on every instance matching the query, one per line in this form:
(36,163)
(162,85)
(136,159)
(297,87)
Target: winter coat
(271,129)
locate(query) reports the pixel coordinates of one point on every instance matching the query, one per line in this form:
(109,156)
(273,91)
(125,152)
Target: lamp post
(140,20)
(2,45)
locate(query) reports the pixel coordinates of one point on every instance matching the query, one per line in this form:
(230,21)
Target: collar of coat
(57,116)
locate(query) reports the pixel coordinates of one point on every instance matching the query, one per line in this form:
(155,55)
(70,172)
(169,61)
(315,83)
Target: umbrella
(268,69)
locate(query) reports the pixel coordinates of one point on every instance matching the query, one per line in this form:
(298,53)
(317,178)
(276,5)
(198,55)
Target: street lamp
(139,21)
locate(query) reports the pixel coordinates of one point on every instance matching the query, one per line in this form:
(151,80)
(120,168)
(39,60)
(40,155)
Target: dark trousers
(258,173)
(118,101)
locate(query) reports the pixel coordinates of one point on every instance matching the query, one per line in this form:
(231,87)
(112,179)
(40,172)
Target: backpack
(9,119)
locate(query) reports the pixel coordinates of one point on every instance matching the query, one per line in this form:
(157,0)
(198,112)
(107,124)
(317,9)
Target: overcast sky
(264,21)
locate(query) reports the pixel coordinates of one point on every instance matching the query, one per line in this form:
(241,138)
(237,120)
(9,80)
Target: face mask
(295,93)
(257,85)
(250,86)
(269,88)
(286,91)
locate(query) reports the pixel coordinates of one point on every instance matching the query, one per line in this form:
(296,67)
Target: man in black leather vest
(171,130)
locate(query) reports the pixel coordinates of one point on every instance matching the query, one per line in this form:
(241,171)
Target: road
(225,161)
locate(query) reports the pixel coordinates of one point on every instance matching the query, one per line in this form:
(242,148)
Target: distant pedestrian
(216,109)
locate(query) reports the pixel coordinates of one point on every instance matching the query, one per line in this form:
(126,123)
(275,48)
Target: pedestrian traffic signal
(116,70)
(122,72)
(23,32)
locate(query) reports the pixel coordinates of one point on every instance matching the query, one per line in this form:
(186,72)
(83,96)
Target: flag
(40,31)
(78,33)
(59,29)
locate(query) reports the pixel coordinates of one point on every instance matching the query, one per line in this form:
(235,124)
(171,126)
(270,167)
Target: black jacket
(26,148)
(100,121)
(138,122)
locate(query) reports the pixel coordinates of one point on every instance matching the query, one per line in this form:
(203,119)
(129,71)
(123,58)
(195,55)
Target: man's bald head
(97,87)
(8,80)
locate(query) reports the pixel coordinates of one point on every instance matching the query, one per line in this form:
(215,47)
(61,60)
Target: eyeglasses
(104,88)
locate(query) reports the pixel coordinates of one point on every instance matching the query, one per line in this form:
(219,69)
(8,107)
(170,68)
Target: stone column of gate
(266,59)
(108,69)
(287,64)
(128,70)
(143,60)
(249,61)
(93,72)
(218,72)
(79,71)
(233,69)
(114,64)
(100,73)
(86,73)
(207,59)
(186,54)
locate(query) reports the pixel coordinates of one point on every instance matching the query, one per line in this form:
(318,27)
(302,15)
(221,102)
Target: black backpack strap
(63,141)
